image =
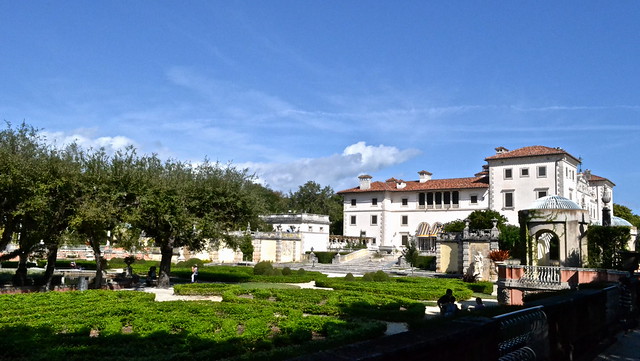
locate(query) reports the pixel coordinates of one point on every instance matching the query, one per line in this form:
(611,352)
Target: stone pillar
(465,231)
(466,259)
(279,250)
(257,250)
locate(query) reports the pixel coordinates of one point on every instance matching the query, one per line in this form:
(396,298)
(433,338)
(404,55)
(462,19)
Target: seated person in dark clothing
(447,303)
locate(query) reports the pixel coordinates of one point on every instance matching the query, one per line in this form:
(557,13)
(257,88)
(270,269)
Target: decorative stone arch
(547,248)
(556,236)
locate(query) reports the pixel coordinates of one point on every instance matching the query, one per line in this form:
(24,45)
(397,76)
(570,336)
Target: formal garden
(261,315)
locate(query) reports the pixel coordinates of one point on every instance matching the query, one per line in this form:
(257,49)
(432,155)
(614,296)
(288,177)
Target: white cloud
(85,141)
(338,170)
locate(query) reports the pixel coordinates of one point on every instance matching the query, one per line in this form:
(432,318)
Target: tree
(109,186)
(312,198)
(411,254)
(38,187)
(626,213)
(483,219)
(509,237)
(184,206)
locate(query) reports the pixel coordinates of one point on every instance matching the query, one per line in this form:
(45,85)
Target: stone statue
(478,266)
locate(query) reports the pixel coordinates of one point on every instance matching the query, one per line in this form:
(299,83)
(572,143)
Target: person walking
(194,273)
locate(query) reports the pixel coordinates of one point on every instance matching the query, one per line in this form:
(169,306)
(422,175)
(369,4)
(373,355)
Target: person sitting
(447,304)
(152,276)
(479,304)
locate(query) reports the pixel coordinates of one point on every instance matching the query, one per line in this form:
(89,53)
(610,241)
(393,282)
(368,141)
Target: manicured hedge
(416,288)
(107,325)
(485,287)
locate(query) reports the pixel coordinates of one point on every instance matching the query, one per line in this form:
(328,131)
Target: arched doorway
(548,248)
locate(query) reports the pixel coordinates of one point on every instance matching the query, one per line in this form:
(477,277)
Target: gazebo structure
(556,228)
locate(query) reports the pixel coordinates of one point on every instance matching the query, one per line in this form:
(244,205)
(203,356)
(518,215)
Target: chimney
(424,176)
(365,181)
(501,150)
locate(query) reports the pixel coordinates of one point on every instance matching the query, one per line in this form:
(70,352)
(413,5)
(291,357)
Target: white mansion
(394,210)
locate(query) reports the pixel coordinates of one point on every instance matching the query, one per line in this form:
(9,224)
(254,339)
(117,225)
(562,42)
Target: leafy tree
(626,213)
(483,219)
(313,198)
(38,192)
(184,206)
(411,254)
(454,226)
(604,243)
(509,236)
(109,187)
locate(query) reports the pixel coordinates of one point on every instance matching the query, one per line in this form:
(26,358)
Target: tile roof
(532,151)
(433,184)
(595,178)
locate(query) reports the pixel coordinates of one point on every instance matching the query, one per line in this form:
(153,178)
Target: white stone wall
(524,187)
(389,213)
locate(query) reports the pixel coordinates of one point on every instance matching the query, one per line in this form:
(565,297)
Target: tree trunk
(166,249)
(52,256)
(20,278)
(97,284)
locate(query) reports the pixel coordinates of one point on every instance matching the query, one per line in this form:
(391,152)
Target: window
(508,199)
(474,199)
(405,240)
(405,220)
(429,199)
(524,172)
(353,220)
(374,201)
(438,198)
(374,220)
(405,201)
(542,171)
(420,200)
(508,173)
(447,198)
(455,197)
(541,193)
(321,229)
(353,202)
(310,228)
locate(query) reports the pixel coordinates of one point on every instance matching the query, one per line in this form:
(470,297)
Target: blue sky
(328,90)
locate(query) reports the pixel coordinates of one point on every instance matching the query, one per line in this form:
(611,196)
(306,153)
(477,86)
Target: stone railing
(277,235)
(541,276)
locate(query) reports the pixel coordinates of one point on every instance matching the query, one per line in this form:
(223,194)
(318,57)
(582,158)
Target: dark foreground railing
(574,325)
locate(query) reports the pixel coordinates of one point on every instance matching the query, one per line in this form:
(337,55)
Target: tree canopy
(51,195)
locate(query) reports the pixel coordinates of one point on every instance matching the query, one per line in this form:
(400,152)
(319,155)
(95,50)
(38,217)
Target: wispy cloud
(338,170)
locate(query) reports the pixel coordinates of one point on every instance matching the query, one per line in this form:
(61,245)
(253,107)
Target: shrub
(286,271)
(349,277)
(426,263)
(325,257)
(499,255)
(263,268)
(378,276)
(190,263)
(301,272)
